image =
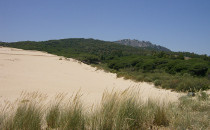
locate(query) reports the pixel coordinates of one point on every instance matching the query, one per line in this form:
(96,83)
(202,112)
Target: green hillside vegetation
(180,71)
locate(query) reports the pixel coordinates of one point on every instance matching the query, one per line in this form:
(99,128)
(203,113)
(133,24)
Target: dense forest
(180,71)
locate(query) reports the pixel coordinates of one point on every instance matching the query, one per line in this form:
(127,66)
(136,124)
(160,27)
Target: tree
(199,69)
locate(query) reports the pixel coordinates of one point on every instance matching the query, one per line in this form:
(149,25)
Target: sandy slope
(22,70)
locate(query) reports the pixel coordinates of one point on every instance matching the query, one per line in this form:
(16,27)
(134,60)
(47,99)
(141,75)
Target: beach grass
(117,110)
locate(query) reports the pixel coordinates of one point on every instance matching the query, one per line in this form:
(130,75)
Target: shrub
(192,84)
(147,79)
(199,69)
(171,84)
(140,78)
(157,82)
(202,96)
(148,66)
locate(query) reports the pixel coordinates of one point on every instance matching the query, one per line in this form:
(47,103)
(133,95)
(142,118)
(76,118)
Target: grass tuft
(117,110)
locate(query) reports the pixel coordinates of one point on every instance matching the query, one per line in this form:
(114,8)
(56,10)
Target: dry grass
(117,110)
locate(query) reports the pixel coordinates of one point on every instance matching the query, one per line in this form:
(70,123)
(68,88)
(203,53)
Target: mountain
(142,44)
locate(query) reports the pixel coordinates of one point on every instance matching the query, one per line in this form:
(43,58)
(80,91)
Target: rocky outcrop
(142,44)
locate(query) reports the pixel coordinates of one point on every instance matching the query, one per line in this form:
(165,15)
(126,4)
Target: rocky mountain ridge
(142,44)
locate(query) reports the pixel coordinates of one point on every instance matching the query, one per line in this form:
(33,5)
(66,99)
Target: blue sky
(180,25)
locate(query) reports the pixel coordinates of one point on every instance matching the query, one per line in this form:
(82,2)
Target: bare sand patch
(24,70)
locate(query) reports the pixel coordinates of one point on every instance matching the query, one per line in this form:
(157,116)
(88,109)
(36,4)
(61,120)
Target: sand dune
(22,70)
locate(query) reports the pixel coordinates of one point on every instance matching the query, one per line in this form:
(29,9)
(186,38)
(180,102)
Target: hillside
(142,44)
(170,70)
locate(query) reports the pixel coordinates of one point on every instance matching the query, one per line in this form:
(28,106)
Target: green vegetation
(180,71)
(117,110)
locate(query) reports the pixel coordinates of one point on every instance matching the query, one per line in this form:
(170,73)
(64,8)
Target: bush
(192,84)
(157,82)
(199,69)
(89,59)
(147,79)
(171,84)
(148,66)
(203,96)
(140,78)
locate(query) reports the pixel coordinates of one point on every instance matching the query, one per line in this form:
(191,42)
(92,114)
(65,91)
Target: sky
(180,25)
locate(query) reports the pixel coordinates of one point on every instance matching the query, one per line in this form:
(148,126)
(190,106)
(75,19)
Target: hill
(170,70)
(142,44)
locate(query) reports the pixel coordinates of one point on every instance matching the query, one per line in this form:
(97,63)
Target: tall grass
(53,113)
(72,115)
(117,110)
(191,113)
(27,115)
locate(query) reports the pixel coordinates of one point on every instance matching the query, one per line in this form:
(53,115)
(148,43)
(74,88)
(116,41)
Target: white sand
(22,70)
